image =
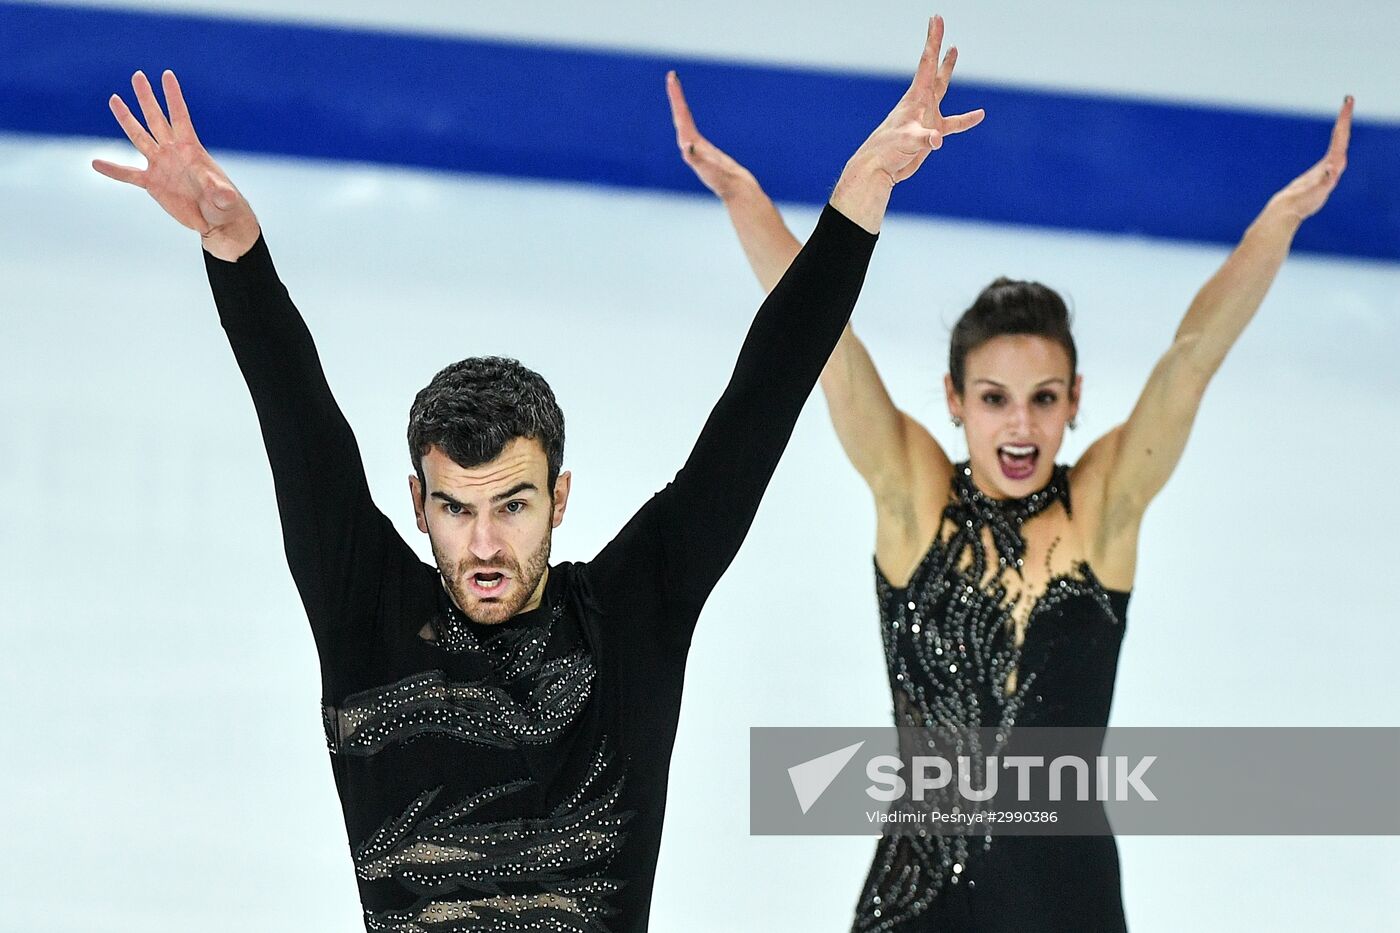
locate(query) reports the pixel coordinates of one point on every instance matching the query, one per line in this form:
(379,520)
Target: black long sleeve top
(513,776)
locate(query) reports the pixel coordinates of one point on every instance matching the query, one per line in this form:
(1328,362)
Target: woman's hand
(720,173)
(899,145)
(180,175)
(1305,195)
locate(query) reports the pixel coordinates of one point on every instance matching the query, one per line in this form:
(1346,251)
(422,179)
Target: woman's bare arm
(885,445)
(1149,444)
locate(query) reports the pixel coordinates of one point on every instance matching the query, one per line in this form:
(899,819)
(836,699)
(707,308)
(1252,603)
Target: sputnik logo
(810,779)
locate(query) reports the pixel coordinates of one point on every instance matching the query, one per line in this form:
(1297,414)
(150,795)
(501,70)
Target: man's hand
(899,145)
(1305,195)
(712,165)
(179,174)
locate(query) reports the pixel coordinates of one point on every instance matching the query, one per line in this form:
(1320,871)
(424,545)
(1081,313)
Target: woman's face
(1017,399)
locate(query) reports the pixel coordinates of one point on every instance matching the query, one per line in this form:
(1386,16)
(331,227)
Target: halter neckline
(973,509)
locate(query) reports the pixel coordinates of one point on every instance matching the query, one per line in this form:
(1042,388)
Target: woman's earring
(1072,425)
(957,422)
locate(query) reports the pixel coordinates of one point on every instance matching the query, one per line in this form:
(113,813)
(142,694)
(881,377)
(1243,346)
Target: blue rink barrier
(1052,159)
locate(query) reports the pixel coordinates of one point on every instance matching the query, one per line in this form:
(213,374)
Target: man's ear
(416,491)
(561,498)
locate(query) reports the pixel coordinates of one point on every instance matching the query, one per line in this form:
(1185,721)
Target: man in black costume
(500,729)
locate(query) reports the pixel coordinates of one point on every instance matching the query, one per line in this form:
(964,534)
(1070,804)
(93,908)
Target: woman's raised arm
(1149,444)
(886,446)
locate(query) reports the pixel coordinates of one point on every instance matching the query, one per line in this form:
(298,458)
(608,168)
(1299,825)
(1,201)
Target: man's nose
(485,542)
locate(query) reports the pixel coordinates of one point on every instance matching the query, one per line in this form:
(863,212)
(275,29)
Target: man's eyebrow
(515,490)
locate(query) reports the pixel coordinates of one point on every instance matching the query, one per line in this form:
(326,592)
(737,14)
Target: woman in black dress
(1003,597)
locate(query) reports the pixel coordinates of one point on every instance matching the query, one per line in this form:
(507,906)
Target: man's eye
(515,506)
(452,508)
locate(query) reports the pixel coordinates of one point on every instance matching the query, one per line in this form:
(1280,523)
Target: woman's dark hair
(1008,306)
(473,408)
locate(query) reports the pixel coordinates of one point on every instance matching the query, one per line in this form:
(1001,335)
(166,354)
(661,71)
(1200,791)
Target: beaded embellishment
(973,510)
(557,856)
(471,869)
(515,649)
(479,713)
(955,666)
(530,701)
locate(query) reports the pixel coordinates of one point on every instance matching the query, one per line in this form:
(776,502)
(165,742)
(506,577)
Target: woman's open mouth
(1018,460)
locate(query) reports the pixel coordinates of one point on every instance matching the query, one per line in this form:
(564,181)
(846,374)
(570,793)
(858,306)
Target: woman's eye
(1046,398)
(992,398)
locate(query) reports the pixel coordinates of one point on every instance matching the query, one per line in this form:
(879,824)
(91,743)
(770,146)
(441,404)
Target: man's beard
(524,581)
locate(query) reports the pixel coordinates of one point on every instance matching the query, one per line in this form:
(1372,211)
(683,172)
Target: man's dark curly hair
(474,407)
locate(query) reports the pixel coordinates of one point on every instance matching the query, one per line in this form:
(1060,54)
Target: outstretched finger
(132,127)
(927,72)
(680,110)
(1341,131)
(962,122)
(123,173)
(175,101)
(945,73)
(150,109)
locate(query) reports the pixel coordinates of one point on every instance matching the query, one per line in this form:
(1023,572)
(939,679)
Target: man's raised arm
(335,538)
(699,521)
